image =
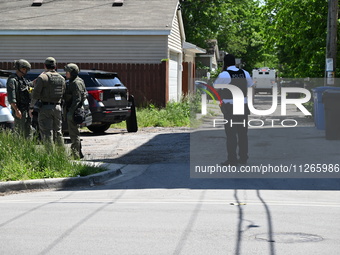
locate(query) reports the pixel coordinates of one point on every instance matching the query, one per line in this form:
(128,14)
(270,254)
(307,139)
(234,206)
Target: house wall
(190,58)
(175,40)
(98,50)
(89,49)
(147,82)
(175,61)
(205,61)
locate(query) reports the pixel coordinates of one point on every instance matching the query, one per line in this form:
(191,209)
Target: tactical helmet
(50,61)
(73,69)
(22,63)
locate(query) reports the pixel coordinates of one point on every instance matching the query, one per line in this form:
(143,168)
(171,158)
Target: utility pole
(331,45)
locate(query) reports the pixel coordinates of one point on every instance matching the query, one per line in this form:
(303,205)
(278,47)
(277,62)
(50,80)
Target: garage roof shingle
(87,15)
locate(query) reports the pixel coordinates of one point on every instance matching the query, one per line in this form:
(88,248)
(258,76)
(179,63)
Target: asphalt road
(164,211)
(159,209)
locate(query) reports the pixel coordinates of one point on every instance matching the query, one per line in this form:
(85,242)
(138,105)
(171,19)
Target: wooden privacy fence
(147,82)
(188,77)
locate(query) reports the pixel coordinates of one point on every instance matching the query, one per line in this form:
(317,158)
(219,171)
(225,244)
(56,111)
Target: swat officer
(19,97)
(74,97)
(236,128)
(49,89)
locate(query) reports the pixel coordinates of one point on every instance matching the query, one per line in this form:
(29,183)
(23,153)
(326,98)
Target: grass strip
(22,159)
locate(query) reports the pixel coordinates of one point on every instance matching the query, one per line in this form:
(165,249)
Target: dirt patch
(147,146)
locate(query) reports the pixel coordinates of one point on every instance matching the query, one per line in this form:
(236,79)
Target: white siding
(173,77)
(86,49)
(175,61)
(175,39)
(189,58)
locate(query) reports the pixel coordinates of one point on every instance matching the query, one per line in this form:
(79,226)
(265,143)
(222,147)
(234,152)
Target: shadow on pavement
(168,157)
(163,148)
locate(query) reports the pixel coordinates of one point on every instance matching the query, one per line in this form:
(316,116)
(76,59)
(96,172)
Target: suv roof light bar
(118,3)
(37,2)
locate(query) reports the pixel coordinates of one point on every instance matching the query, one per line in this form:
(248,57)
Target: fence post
(204,104)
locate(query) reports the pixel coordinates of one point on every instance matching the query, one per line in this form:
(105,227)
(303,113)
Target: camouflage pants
(50,121)
(23,126)
(74,136)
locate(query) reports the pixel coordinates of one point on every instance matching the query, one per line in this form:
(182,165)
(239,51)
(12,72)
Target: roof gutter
(84,32)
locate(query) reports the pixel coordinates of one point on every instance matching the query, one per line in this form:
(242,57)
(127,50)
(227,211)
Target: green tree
(237,25)
(289,35)
(296,34)
(242,34)
(201,19)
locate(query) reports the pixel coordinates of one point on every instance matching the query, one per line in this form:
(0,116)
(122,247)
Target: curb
(61,183)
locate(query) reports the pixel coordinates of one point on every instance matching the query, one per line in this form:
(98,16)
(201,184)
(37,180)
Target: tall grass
(175,114)
(22,159)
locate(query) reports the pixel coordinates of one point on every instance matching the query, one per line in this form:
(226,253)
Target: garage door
(173,77)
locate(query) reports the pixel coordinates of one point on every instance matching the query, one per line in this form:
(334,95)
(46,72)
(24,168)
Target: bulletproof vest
(238,78)
(68,92)
(55,87)
(22,93)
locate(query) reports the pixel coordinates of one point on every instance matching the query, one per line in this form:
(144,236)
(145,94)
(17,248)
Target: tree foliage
(235,24)
(296,34)
(290,34)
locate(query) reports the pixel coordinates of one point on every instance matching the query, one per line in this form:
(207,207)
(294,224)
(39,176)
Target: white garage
(173,77)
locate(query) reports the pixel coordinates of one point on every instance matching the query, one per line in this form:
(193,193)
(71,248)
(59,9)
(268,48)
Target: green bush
(175,114)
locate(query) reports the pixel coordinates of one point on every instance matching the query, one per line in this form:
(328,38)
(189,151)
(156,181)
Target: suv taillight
(3,99)
(97,94)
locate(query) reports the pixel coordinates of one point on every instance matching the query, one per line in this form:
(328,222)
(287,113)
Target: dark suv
(108,98)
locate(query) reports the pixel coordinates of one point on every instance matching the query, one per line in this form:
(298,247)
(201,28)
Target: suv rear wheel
(99,128)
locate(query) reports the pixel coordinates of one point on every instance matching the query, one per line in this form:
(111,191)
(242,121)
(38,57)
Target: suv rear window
(101,80)
(109,82)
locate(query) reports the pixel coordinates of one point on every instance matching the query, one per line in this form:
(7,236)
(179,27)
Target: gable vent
(37,2)
(118,3)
